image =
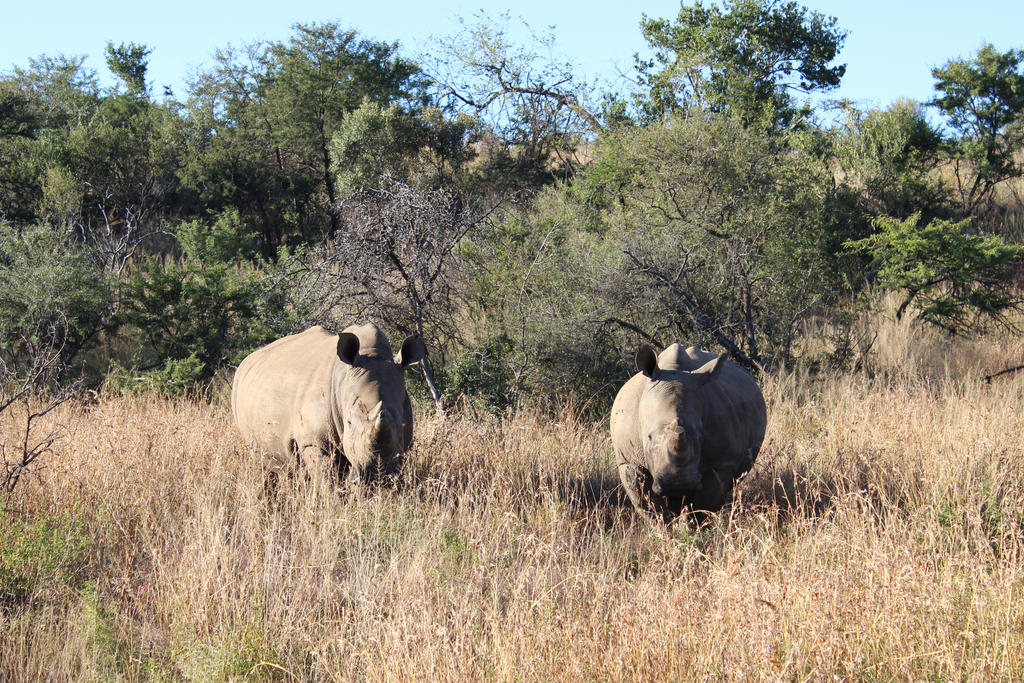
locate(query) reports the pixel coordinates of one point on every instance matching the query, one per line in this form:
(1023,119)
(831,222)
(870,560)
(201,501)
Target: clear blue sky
(891,47)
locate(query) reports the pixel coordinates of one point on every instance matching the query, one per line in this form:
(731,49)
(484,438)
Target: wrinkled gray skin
(317,395)
(684,428)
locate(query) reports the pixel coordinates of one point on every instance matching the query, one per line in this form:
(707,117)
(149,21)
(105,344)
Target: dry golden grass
(880,537)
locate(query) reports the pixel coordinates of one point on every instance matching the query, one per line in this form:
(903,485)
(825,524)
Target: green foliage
(724,232)
(260,125)
(246,652)
(374,144)
(106,650)
(484,374)
(227,240)
(178,376)
(128,62)
(542,290)
(952,278)
(39,557)
(377,145)
(199,314)
(97,161)
(17,117)
(717,216)
(42,104)
(743,57)
(532,106)
(49,285)
(321,75)
(983,99)
(889,159)
(699,230)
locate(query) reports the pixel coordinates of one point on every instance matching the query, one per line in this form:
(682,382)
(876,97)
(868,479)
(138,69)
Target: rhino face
(670,428)
(373,406)
(671,413)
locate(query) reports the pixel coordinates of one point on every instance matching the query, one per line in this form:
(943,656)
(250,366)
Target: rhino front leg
(632,481)
(317,462)
(715,489)
(637,482)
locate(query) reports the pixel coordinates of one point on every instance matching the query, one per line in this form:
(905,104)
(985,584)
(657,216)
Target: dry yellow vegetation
(879,537)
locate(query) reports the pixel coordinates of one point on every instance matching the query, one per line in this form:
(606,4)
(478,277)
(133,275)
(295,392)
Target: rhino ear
(348,348)
(711,369)
(647,361)
(412,352)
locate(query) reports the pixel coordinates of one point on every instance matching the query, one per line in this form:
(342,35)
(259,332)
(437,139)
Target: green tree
(725,230)
(698,230)
(52,295)
(983,100)
(129,63)
(231,159)
(46,101)
(747,56)
(262,120)
(954,279)
(889,160)
(97,161)
(17,119)
(202,312)
(20,124)
(375,146)
(320,76)
(534,106)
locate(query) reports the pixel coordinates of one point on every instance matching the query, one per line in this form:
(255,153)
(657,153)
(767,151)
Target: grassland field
(880,536)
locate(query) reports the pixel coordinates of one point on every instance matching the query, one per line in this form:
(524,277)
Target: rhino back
(281,394)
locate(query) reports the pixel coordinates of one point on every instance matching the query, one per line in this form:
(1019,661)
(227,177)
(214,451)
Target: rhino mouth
(379,472)
(679,486)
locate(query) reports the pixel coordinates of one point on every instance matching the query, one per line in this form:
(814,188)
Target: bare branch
(687,305)
(32,385)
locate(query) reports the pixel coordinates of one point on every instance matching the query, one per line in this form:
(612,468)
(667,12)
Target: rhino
(316,395)
(684,428)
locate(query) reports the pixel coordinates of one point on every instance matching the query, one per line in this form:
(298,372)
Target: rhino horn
(711,369)
(377,414)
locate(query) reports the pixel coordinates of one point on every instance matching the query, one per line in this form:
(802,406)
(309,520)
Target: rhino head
(375,416)
(671,412)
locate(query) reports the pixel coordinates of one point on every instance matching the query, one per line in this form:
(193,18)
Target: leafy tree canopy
(953,278)
(888,159)
(747,56)
(263,118)
(983,99)
(129,63)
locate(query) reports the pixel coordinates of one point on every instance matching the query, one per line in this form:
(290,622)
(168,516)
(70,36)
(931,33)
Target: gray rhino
(341,396)
(684,428)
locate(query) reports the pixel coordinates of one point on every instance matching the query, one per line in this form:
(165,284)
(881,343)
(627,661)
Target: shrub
(202,312)
(484,373)
(952,278)
(39,556)
(49,284)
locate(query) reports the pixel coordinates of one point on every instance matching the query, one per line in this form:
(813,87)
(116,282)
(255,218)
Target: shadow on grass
(791,490)
(810,489)
(598,495)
